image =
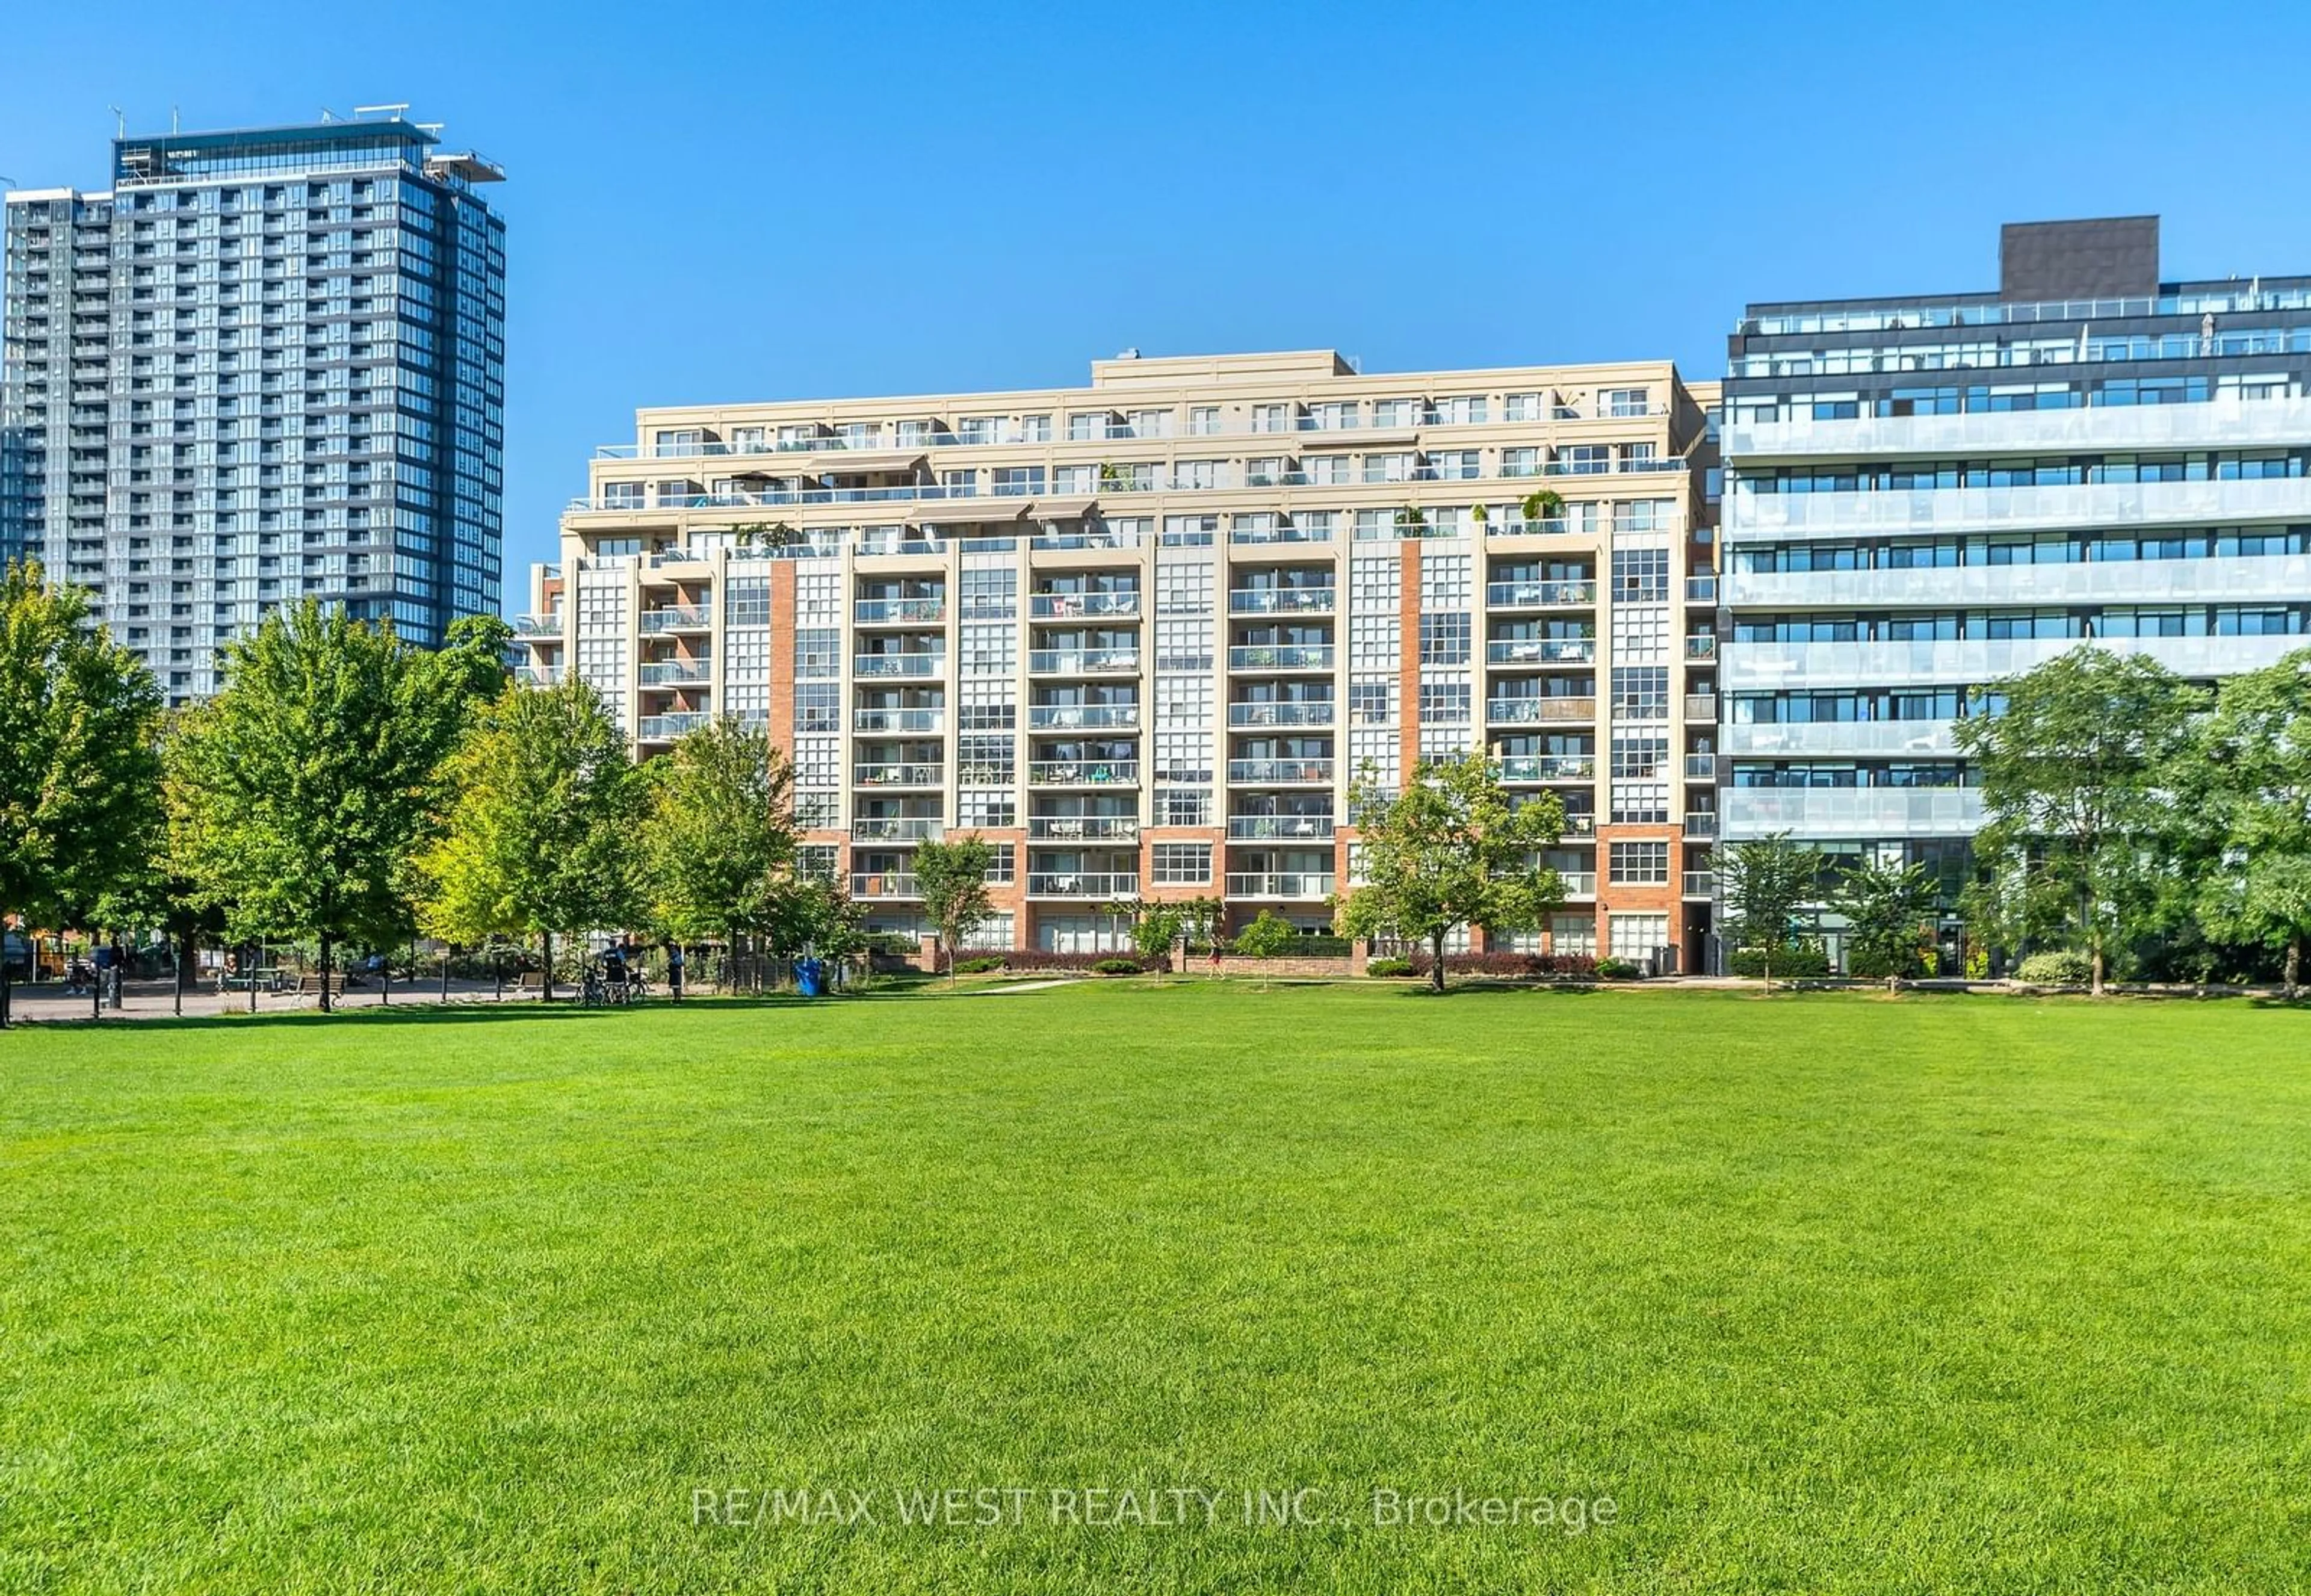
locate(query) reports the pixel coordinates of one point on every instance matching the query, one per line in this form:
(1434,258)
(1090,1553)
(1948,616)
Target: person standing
(674,969)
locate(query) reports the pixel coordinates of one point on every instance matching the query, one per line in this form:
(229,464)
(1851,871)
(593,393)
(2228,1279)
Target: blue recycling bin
(810,978)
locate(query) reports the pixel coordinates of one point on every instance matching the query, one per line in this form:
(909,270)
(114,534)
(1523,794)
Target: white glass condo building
(263,365)
(1925,495)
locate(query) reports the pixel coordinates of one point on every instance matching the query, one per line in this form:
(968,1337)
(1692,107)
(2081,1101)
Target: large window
(1182,864)
(1639,936)
(1638,864)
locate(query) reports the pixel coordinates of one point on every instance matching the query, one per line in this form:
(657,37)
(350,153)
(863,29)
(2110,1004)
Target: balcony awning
(854,462)
(1072,509)
(963,512)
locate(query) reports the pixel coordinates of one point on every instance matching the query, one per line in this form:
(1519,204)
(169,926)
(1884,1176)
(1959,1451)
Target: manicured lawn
(1826,1294)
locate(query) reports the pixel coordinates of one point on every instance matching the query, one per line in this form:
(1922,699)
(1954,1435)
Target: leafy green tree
(952,877)
(1765,881)
(301,792)
(1156,928)
(2246,773)
(538,836)
(1268,937)
(79,776)
(2074,764)
(720,835)
(1451,850)
(1887,908)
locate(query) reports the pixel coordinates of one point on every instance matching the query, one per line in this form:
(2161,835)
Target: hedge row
(1511,965)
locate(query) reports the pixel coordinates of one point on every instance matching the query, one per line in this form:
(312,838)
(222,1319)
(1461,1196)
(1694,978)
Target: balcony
(1282,601)
(2220,579)
(1967,662)
(548,625)
(1701,767)
(898,612)
(667,729)
(2220,423)
(538,675)
(1701,645)
(677,673)
(1281,657)
(898,720)
(1816,813)
(899,775)
(1700,824)
(1309,712)
(1070,716)
(1541,650)
(681,617)
(870,885)
(1761,517)
(1082,828)
(1701,590)
(898,665)
(1083,662)
(1547,767)
(894,828)
(1274,828)
(1083,772)
(1095,888)
(1701,706)
(1280,772)
(1700,883)
(1579,884)
(1076,606)
(1539,594)
(1298,886)
(1840,739)
(1540,711)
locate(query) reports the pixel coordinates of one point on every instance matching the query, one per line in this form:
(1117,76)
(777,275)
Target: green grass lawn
(1825,1293)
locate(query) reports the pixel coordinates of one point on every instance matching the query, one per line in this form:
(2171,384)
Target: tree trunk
(385,977)
(1437,963)
(184,952)
(325,972)
(6,980)
(497,970)
(259,959)
(2294,970)
(549,965)
(446,951)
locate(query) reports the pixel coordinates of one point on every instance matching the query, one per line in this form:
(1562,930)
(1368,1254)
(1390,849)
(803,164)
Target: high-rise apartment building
(1142,635)
(1925,495)
(264,364)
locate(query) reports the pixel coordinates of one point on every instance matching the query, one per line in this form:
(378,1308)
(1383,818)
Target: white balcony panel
(2235,424)
(2242,579)
(1772,517)
(1751,668)
(1819,814)
(1840,739)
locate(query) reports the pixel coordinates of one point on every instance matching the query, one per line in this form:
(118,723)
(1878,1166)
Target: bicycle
(593,991)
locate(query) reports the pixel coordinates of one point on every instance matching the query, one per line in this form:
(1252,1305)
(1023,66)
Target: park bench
(531,983)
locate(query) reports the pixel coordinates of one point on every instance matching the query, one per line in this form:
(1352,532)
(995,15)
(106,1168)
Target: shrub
(1872,965)
(986,965)
(1389,967)
(2055,967)
(1616,970)
(1120,967)
(1805,961)
(1511,967)
(1035,961)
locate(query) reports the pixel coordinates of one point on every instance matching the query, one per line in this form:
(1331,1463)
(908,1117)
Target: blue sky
(719,202)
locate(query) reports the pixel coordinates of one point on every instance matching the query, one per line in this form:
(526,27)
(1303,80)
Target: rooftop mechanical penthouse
(1926,494)
(1142,635)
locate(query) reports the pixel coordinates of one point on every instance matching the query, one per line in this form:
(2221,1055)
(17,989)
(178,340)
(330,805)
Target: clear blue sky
(719,202)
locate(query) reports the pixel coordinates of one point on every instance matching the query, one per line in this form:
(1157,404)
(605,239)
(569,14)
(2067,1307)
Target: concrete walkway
(1008,988)
(156,999)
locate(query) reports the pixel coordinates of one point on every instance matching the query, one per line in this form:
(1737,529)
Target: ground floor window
(1639,936)
(994,933)
(1083,933)
(1573,933)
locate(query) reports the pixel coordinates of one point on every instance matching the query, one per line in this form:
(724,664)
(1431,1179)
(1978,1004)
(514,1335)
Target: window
(1641,576)
(1573,933)
(1641,693)
(1445,639)
(1625,401)
(1639,936)
(1203,421)
(1182,864)
(1639,864)
(1014,480)
(1370,703)
(1183,805)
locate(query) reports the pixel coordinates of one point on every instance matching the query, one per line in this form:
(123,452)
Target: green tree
(2074,759)
(2247,776)
(1887,908)
(952,877)
(720,836)
(1765,881)
(538,832)
(1268,937)
(1451,850)
(79,776)
(302,791)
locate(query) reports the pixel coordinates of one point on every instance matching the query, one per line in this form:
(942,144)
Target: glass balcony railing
(1311,712)
(1839,739)
(1539,594)
(898,720)
(1067,716)
(898,665)
(1281,601)
(1083,772)
(1280,772)
(1069,607)
(538,675)
(1281,828)
(1293,884)
(1547,767)
(1121,828)
(1700,883)
(683,617)
(1082,662)
(1767,517)
(1579,884)
(1102,888)
(1700,823)
(667,729)
(546,626)
(1541,650)
(1282,657)
(1701,767)
(1540,711)
(894,828)
(899,775)
(2101,429)
(878,883)
(1964,662)
(2216,580)
(877,612)
(677,673)
(1700,706)
(1701,645)
(1822,813)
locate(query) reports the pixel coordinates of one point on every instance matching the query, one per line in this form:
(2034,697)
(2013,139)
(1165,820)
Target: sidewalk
(156,999)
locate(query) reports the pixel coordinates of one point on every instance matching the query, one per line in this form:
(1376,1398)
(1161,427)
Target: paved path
(154,999)
(1008,988)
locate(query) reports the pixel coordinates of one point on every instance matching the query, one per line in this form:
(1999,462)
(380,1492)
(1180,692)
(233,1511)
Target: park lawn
(1823,1292)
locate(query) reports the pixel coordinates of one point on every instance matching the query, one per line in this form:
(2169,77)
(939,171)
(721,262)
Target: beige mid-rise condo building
(1143,635)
